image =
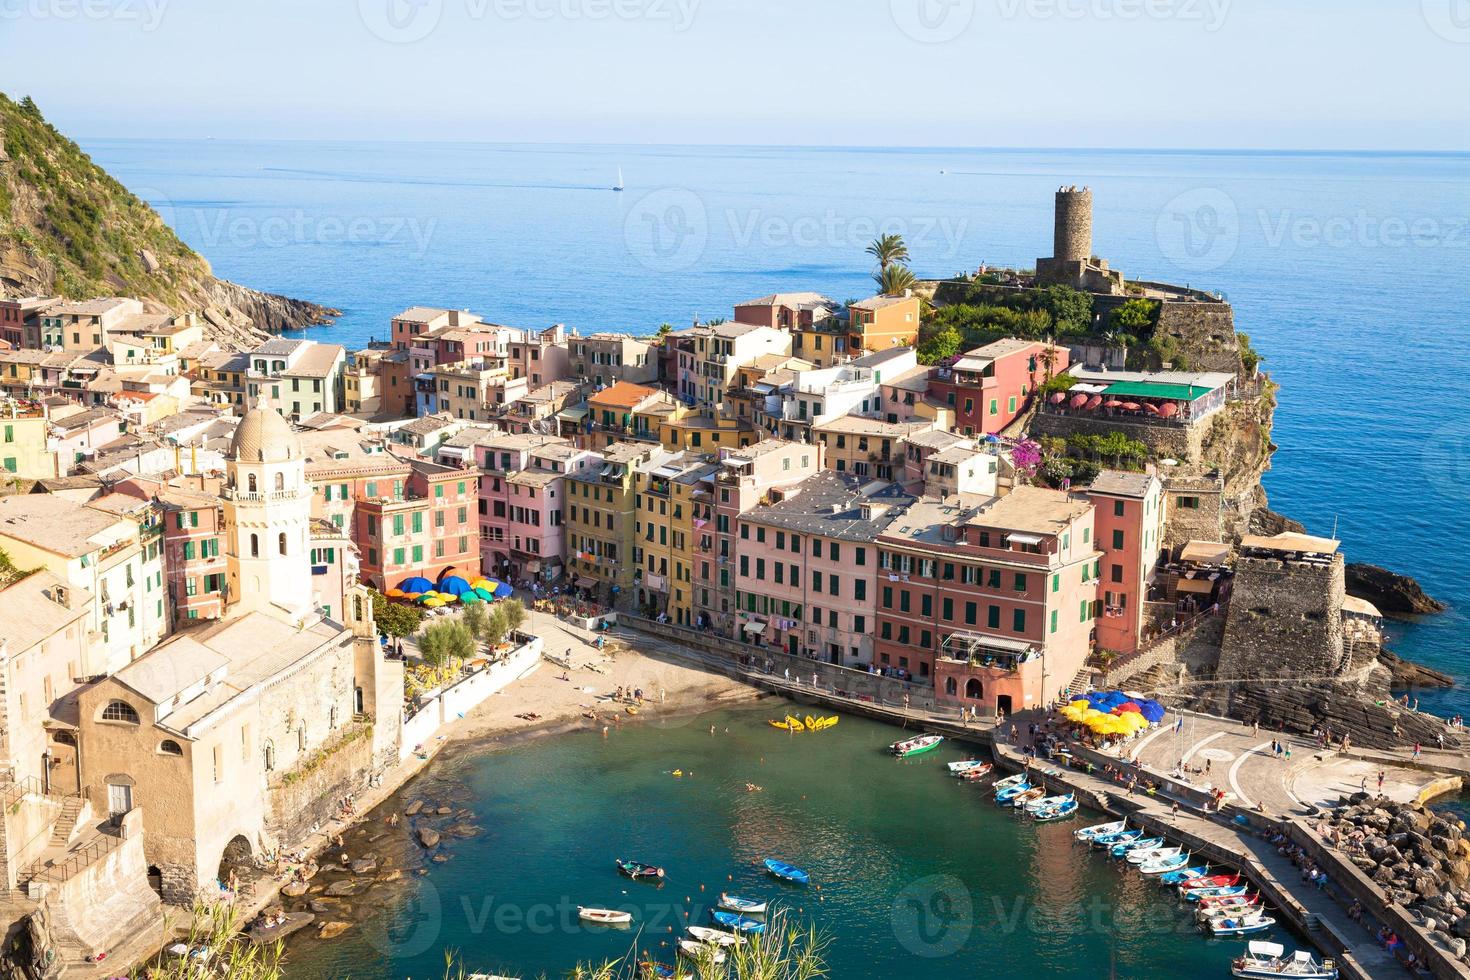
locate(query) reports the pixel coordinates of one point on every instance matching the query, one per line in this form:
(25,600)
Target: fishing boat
(1152,854)
(1005,794)
(1182,875)
(1210,881)
(1035,794)
(1198,894)
(787,872)
(1111,840)
(637,869)
(1160,866)
(707,935)
(1124,848)
(1015,780)
(915,746)
(743,906)
(1263,959)
(1241,926)
(968,765)
(1100,830)
(1050,802)
(738,923)
(975,775)
(1243,907)
(1060,812)
(604,917)
(1225,901)
(701,952)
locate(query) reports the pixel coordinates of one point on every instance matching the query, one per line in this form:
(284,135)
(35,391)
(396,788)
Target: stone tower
(1073,241)
(267,505)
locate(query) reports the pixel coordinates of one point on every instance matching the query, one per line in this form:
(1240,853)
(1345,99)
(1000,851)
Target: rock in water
(331,930)
(428,837)
(341,889)
(365,866)
(413,808)
(294,889)
(1389,591)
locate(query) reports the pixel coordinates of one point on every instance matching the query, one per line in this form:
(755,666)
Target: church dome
(263,436)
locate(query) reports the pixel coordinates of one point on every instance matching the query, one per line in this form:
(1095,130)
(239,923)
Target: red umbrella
(1151,408)
(1168,410)
(1130,406)
(1126,707)
(1079,400)
(1094,402)
(1112,403)
(1057,397)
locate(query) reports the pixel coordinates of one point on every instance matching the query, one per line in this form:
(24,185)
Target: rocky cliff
(68,228)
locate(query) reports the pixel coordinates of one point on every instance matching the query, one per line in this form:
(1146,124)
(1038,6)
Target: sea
(1346,269)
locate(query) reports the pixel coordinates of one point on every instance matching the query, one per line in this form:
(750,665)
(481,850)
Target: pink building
(1130,524)
(807,571)
(989,386)
(534,533)
(539,357)
(499,457)
(194,564)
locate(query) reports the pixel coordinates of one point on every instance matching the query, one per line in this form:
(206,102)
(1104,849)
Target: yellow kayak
(813,724)
(778,724)
(794,724)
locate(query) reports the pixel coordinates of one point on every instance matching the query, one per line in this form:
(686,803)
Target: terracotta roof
(624,394)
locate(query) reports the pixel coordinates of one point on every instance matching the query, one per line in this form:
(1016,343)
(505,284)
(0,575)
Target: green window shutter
(193,518)
(1056,582)
(398,556)
(1018,620)
(1053,620)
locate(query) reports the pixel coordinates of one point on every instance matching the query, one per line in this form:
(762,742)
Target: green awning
(1153,389)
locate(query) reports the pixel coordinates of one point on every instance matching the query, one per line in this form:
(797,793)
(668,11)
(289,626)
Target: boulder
(331,930)
(465,830)
(413,808)
(294,889)
(365,865)
(341,889)
(444,811)
(1389,591)
(428,837)
(440,858)
(318,906)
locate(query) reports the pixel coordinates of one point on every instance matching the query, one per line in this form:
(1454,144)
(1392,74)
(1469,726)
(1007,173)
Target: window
(1187,503)
(1117,573)
(992,617)
(250,483)
(1117,508)
(254,546)
(947,609)
(281,542)
(280,481)
(860,589)
(1018,620)
(120,711)
(1020,581)
(169,747)
(1117,540)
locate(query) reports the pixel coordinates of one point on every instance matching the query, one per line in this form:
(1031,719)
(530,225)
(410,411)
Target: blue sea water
(1347,270)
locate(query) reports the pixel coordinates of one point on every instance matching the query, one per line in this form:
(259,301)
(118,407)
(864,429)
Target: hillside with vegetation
(68,228)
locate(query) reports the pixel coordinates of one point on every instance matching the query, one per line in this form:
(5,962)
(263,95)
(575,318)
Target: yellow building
(672,497)
(707,435)
(600,518)
(23,452)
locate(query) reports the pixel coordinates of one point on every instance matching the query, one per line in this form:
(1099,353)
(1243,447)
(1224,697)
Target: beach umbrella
(1095,401)
(482,583)
(1112,403)
(1151,710)
(1135,721)
(453,585)
(1151,408)
(471,597)
(1131,406)
(412,596)
(1168,410)
(1125,707)
(416,584)
(1057,397)
(503,590)
(486,594)
(428,597)
(394,593)
(1078,400)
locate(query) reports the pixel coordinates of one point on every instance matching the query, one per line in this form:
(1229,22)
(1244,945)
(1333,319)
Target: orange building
(883,322)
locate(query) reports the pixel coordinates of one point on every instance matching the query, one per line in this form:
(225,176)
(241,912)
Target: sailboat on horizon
(619,185)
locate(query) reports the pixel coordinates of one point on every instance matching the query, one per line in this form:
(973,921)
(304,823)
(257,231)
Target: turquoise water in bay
(920,876)
(1347,270)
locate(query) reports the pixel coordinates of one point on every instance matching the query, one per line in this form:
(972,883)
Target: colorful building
(601,518)
(883,322)
(431,530)
(1130,530)
(673,507)
(991,385)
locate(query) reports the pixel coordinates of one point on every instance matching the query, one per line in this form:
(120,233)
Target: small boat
(1049,802)
(783,725)
(1270,960)
(1004,796)
(1198,894)
(1100,830)
(1245,906)
(701,952)
(794,724)
(744,906)
(604,917)
(707,935)
(1210,881)
(1152,854)
(637,869)
(1180,876)
(1026,797)
(1160,866)
(787,872)
(1242,926)
(915,746)
(1124,848)
(1059,812)
(1015,780)
(738,923)
(1122,837)
(969,765)
(975,775)
(831,720)
(655,970)
(619,185)
(1225,901)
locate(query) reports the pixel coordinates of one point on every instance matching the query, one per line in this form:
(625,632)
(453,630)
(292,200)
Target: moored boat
(1059,812)
(1182,875)
(975,775)
(604,917)
(1006,794)
(1112,840)
(915,746)
(1245,906)
(1235,898)
(1047,803)
(1027,797)
(1015,780)
(1199,894)
(1160,866)
(787,872)
(960,768)
(1210,881)
(707,935)
(637,869)
(1124,848)
(738,923)
(1240,926)
(1145,855)
(1264,959)
(1100,830)
(701,952)
(743,906)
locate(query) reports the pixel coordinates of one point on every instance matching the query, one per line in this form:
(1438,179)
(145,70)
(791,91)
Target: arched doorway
(235,863)
(974,689)
(950,687)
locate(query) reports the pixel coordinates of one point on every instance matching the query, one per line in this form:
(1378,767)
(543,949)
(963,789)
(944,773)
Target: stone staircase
(1080,685)
(66,822)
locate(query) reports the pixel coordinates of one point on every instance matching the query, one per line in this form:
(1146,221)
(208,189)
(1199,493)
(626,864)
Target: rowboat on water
(1242,926)
(1160,866)
(604,917)
(701,952)
(1210,881)
(1181,875)
(1198,894)
(1047,803)
(1245,906)
(707,935)
(738,923)
(1025,798)
(975,775)
(1060,812)
(1006,794)
(1100,830)
(1126,847)
(968,765)
(787,872)
(1015,780)
(1270,960)
(637,869)
(915,746)
(1224,901)
(1112,840)
(1152,854)
(743,906)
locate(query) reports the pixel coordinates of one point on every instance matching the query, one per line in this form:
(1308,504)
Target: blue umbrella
(503,591)
(416,584)
(1151,710)
(453,585)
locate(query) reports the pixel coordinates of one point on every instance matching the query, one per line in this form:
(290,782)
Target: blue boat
(787,872)
(1059,812)
(1108,840)
(1003,796)
(1123,848)
(1184,874)
(738,923)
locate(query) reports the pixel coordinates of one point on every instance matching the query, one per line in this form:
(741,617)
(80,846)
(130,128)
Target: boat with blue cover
(1059,812)
(1180,876)
(1123,837)
(738,923)
(1100,830)
(787,872)
(1124,848)
(1006,794)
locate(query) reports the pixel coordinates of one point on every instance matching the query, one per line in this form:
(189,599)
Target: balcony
(269,496)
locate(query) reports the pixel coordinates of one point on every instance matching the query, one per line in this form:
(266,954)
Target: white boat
(1228,911)
(1100,830)
(1270,960)
(707,935)
(1239,925)
(619,185)
(1010,781)
(701,952)
(1153,854)
(606,917)
(960,768)
(745,906)
(1049,802)
(1165,865)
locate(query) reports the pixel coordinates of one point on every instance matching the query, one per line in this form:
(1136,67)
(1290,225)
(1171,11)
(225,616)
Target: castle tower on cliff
(1072,262)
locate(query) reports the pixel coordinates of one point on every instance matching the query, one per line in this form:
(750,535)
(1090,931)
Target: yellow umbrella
(483,583)
(1082,703)
(434,603)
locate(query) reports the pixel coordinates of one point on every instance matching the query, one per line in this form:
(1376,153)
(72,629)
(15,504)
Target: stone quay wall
(1285,621)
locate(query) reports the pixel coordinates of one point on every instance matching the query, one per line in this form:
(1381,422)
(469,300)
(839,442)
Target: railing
(14,791)
(83,857)
(1177,630)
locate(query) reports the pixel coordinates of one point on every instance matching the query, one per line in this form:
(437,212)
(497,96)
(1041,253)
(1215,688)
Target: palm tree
(893,280)
(888,250)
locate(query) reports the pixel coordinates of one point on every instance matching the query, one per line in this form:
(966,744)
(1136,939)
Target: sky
(1282,74)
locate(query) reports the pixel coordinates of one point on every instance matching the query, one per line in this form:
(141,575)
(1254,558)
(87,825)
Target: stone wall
(307,796)
(1186,646)
(1285,620)
(1205,333)
(1201,523)
(1171,441)
(106,902)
